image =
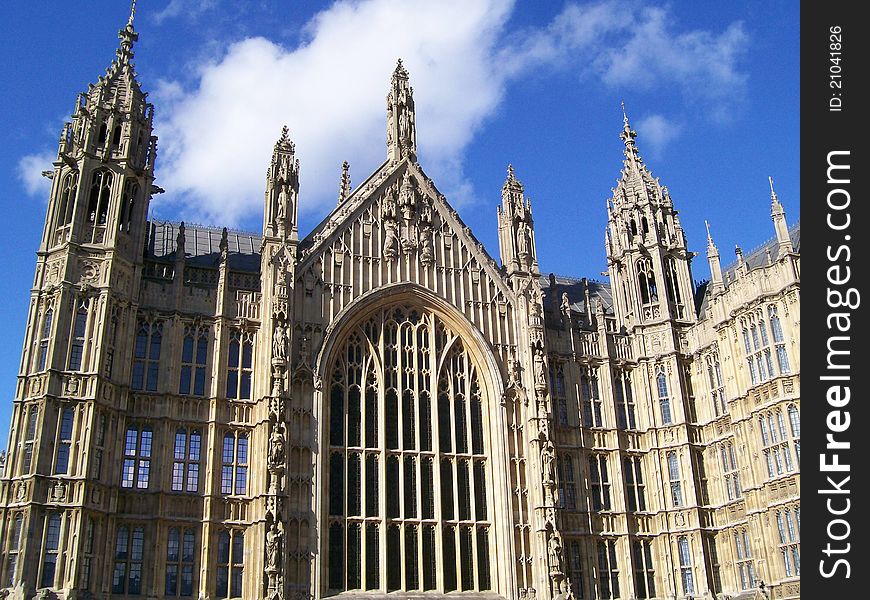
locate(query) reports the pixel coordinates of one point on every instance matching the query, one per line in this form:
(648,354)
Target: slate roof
(574,287)
(765,254)
(202,246)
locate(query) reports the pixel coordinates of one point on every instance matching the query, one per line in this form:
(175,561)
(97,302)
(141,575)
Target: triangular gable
(366,204)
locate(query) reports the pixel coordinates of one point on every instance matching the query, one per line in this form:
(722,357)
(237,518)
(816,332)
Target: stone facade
(382,407)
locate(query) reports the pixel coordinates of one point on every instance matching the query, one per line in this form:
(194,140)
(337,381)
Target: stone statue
(548,458)
(540,374)
(277,447)
(390,238)
(554,551)
(566,305)
(273,548)
(522,239)
(279,342)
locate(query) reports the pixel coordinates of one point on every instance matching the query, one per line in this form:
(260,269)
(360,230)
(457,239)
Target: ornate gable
(397,227)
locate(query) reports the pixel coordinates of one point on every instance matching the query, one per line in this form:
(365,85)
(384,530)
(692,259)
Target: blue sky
(712,89)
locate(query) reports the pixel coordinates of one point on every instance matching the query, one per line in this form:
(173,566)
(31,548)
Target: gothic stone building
(381,407)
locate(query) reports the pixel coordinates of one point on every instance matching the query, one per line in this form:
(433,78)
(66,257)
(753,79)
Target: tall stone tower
(81,320)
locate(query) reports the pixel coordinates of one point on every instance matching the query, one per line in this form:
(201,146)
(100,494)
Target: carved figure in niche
(562,593)
(522,239)
(273,547)
(390,239)
(548,458)
(407,197)
(282,204)
(277,448)
(426,247)
(536,306)
(566,305)
(554,551)
(540,373)
(279,342)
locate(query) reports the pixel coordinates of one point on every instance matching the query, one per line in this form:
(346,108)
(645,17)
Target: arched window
(77,347)
(675,479)
(664,396)
(406,418)
(686,570)
(103,133)
(67,200)
(42,356)
(128,203)
(778,339)
(116,135)
(646,280)
(98,198)
(673,286)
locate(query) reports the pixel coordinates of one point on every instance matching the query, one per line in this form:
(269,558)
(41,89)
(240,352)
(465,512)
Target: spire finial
(510,171)
(344,185)
(132,13)
(707,224)
(627,136)
(772,191)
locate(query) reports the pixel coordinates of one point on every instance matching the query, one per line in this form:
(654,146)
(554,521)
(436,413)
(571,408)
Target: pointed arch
(409,402)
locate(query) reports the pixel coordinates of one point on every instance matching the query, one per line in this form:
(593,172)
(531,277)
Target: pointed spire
(401,117)
(128,37)
(716,284)
(628,135)
(780,226)
(344,185)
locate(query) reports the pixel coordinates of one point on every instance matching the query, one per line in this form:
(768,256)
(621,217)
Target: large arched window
(406,466)
(98,199)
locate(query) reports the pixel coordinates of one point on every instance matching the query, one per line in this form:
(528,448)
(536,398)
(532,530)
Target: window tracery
(406,423)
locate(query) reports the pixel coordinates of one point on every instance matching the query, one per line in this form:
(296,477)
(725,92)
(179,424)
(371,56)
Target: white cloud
(187,8)
(657,132)
(30,168)
(216,137)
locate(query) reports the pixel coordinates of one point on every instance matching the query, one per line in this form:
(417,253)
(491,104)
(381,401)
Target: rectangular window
(29,438)
(194,356)
(230,563)
(591,399)
(557,388)
(77,343)
(686,572)
(180,561)
(136,468)
(42,356)
(745,567)
(567,488)
(14,548)
(608,569)
(129,557)
(644,570)
(675,480)
(64,442)
(50,548)
(731,476)
(575,569)
(625,408)
(634,485)
(240,360)
(146,356)
(185,466)
(234,472)
(600,483)
(717,385)
(664,396)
